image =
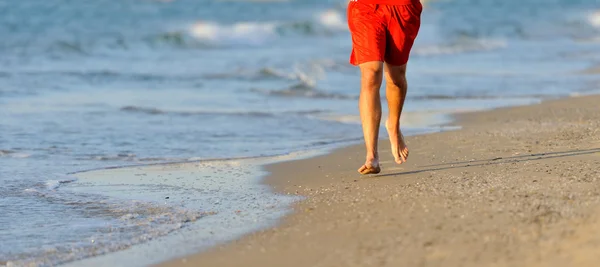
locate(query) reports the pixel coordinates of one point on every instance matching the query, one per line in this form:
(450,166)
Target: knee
(399,81)
(372,77)
(397,77)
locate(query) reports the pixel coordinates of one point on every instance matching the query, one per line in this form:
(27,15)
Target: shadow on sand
(498,160)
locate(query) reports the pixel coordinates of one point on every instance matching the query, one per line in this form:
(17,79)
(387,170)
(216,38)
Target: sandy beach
(514,187)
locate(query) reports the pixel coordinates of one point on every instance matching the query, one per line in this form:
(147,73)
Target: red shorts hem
(365,60)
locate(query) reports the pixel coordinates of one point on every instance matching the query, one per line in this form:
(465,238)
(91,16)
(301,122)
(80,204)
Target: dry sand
(515,187)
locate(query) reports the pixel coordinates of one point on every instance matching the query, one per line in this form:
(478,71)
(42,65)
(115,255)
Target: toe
(362,169)
(398,158)
(405,154)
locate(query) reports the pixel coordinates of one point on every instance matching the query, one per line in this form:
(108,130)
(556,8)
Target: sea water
(96,84)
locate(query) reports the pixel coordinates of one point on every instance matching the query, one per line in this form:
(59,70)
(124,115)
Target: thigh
(402,29)
(368,31)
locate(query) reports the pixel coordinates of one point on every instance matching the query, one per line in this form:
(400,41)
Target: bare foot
(370,167)
(399,148)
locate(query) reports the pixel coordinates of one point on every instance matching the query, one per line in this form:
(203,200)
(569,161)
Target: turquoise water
(94,84)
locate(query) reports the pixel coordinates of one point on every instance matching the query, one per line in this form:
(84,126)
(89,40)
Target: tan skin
(370,111)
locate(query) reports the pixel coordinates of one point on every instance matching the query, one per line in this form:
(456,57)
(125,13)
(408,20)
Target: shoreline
(84,180)
(252,167)
(332,175)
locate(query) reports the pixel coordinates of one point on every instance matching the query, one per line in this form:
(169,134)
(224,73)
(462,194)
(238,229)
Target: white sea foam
(227,189)
(252,33)
(332,19)
(52,184)
(594,18)
(310,74)
(48,186)
(256,33)
(13,154)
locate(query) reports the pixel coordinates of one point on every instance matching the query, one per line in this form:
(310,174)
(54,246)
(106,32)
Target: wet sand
(514,187)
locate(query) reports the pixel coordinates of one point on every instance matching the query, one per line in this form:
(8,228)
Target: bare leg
(369,105)
(396,88)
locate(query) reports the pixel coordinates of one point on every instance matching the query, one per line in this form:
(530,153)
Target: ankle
(393,128)
(392,123)
(372,157)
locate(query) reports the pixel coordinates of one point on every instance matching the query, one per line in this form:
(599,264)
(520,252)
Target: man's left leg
(403,26)
(395,91)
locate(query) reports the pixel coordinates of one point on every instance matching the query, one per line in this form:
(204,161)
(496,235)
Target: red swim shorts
(383,32)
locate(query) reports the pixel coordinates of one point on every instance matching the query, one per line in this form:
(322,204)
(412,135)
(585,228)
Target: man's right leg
(369,105)
(396,88)
(367,28)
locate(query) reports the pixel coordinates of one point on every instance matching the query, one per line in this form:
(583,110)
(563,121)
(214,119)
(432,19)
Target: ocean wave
(333,19)
(303,90)
(255,114)
(130,157)
(49,185)
(195,35)
(55,184)
(4,152)
(308,73)
(256,33)
(156,111)
(305,76)
(106,75)
(245,32)
(462,45)
(74,47)
(13,154)
(252,75)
